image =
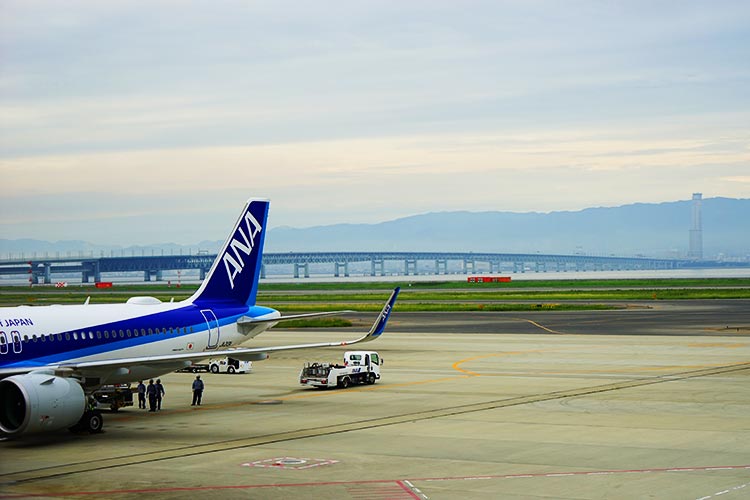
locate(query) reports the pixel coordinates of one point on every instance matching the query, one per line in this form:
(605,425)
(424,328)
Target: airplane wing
(245,324)
(170,361)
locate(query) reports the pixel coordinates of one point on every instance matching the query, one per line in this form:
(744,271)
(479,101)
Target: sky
(138,122)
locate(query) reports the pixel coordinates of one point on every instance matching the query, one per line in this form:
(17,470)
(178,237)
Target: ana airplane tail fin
(235,273)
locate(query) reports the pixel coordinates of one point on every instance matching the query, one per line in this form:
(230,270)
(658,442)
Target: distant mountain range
(656,230)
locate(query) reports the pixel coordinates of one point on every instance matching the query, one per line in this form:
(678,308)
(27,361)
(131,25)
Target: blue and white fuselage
(39,337)
(53,356)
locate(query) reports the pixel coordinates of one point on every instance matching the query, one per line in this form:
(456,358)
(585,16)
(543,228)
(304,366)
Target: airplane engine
(39,402)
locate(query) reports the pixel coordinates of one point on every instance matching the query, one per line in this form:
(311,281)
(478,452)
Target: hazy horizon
(138,121)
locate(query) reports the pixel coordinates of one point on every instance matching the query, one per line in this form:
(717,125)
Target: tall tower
(696,230)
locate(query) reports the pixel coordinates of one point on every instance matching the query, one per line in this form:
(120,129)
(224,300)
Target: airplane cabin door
(213,328)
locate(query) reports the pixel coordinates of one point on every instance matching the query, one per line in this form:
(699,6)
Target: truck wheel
(214,368)
(230,369)
(371,378)
(345,382)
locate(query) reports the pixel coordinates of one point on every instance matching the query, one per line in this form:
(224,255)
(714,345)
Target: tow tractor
(229,365)
(360,367)
(220,365)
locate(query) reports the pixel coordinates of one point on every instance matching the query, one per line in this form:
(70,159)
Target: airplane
(53,358)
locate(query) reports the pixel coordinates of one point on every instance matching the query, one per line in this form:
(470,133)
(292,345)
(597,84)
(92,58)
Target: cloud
(364,111)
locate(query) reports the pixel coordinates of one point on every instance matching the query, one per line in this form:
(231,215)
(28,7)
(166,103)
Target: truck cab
(369,359)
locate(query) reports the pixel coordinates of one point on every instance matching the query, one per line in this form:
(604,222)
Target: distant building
(696,230)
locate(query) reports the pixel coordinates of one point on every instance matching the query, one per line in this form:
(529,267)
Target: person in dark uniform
(151,393)
(141,395)
(197,390)
(159,393)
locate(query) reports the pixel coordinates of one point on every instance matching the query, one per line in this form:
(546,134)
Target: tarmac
(636,403)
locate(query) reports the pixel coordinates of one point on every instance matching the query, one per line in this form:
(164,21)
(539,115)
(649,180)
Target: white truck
(360,367)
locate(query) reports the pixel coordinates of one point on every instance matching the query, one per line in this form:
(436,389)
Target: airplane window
(2,339)
(135,332)
(59,337)
(67,336)
(91,335)
(25,338)
(150,331)
(44,338)
(98,334)
(143,332)
(75,336)
(106,334)
(122,334)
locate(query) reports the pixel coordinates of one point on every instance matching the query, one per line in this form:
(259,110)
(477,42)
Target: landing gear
(91,422)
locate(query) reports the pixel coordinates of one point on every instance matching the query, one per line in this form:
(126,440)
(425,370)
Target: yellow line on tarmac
(456,365)
(540,326)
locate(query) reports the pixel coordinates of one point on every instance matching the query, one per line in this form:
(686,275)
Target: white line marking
(736,488)
(416,490)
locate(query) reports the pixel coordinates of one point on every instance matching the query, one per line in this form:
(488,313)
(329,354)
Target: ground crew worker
(141,395)
(197,390)
(151,393)
(159,393)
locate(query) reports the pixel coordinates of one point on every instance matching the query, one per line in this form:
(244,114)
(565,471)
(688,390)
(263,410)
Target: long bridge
(41,269)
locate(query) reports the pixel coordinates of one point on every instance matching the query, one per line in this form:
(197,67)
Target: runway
(485,405)
(693,317)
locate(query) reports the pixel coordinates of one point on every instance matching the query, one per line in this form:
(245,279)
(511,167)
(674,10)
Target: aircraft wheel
(94,421)
(91,422)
